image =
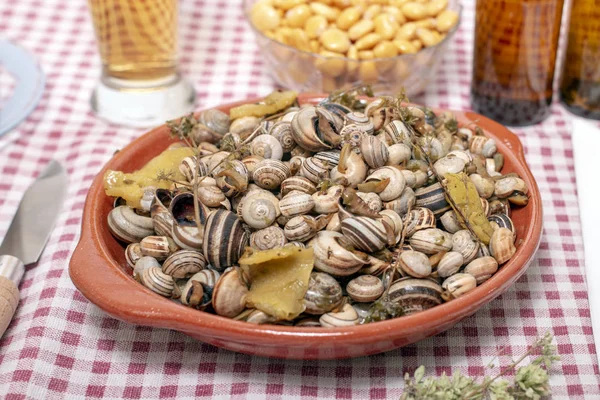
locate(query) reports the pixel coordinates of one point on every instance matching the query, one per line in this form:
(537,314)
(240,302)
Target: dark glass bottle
(580,83)
(514,57)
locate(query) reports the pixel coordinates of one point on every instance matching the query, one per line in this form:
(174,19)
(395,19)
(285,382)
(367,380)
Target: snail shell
(449,165)
(420,179)
(450,222)
(184,263)
(502,221)
(324,293)
(224,239)
(251,162)
(127,226)
(450,264)
(331,158)
(418,219)
(198,290)
(296,203)
(365,233)
(333,254)
(191,167)
(314,169)
(375,266)
(396,185)
(334,223)
(482,268)
(361,121)
(162,219)
(415,295)
(298,183)
(270,173)
(143,264)
(485,186)
(506,186)
(211,196)
(271,237)
(133,253)
(213,125)
(393,219)
(365,288)
(502,245)
(147,198)
(372,200)
(154,279)
(465,245)
(267,146)
(457,285)
(305,129)
(485,205)
(229,294)
(244,126)
(159,247)
(403,204)
(432,197)
(482,145)
(355,173)
(260,209)
(415,264)
(309,322)
(295,164)
(257,317)
(326,203)
(352,134)
(374,151)
(396,132)
(188,237)
(398,153)
(300,228)
(215,159)
(282,131)
(226,183)
(347,317)
(431,241)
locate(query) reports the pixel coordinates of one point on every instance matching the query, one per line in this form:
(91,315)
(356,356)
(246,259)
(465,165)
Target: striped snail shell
(458,285)
(403,204)
(374,151)
(324,293)
(229,293)
(485,205)
(191,167)
(271,237)
(365,288)
(463,242)
(394,220)
(502,245)
(300,228)
(482,268)
(188,237)
(260,209)
(282,131)
(398,153)
(327,202)
(502,221)
(308,322)
(314,169)
(372,200)
(397,132)
(267,146)
(331,157)
(299,183)
(415,264)
(346,317)
(213,124)
(198,290)
(482,145)
(133,253)
(361,121)
(159,212)
(450,264)
(224,239)
(352,134)
(306,130)
(365,233)
(418,219)
(159,247)
(333,254)
(184,263)
(251,162)
(143,264)
(431,241)
(157,281)
(127,226)
(296,203)
(395,186)
(414,294)
(432,197)
(270,173)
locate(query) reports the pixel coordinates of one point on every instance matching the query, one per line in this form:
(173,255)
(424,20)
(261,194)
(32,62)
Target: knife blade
(28,233)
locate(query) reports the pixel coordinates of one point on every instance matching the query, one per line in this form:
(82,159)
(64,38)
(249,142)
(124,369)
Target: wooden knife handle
(9,299)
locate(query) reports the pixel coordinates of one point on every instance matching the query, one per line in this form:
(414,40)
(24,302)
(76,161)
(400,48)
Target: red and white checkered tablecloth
(61,346)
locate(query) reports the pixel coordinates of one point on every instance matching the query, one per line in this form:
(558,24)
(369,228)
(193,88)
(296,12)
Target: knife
(27,235)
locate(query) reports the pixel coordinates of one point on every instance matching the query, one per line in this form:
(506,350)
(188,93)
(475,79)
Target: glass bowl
(310,72)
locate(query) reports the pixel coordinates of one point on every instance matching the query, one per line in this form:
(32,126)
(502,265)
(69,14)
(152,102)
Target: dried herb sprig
(350,97)
(531,381)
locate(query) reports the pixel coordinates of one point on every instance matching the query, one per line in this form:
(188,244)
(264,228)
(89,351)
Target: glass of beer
(140,83)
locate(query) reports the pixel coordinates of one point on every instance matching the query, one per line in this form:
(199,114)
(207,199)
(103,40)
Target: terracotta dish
(98,269)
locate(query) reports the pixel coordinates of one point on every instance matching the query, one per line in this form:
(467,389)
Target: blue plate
(29,87)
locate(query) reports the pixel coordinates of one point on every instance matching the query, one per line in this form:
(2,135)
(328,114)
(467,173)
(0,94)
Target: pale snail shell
(184,263)
(482,268)
(449,165)
(463,242)
(295,164)
(431,146)
(260,210)
(403,204)
(143,264)
(224,239)
(332,256)
(251,162)
(356,171)
(396,132)
(502,246)
(415,264)
(133,253)
(346,317)
(305,130)
(365,233)
(374,266)
(244,126)
(372,200)
(374,151)
(154,279)
(457,285)
(147,198)
(482,145)
(450,222)
(229,293)
(270,173)
(485,186)
(127,226)
(223,182)
(334,223)
(213,124)
(211,196)
(188,237)
(296,203)
(282,131)
(396,185)
(267,146)
(463,155)
(420,179)
(365,288)
(324,293)
(159,247)
(271,237)
(450,264)
(215,160)
(299,183)
(314,169)
(414,294)
(431,241)
(326,203)
(508,185)
(398,153)
(393,219)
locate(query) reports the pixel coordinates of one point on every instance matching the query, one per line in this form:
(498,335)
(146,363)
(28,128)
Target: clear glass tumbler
(140,83)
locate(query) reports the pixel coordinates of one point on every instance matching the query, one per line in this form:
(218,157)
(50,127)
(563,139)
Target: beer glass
(140,83)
